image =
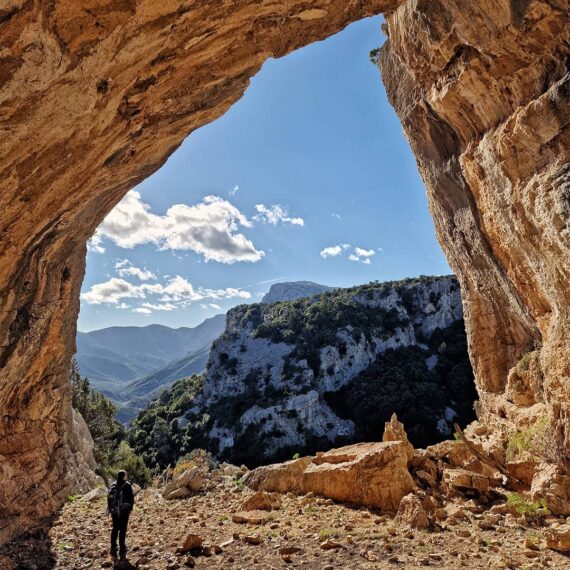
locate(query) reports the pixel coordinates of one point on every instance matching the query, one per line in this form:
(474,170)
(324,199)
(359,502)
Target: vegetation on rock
(111,450)
(428,384)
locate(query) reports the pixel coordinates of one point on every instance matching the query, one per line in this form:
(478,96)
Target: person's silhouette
(120,502)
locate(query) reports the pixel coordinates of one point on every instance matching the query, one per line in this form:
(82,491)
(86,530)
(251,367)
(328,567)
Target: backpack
(115,503)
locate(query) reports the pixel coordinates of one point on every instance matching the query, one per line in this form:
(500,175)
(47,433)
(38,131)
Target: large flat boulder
(371,474)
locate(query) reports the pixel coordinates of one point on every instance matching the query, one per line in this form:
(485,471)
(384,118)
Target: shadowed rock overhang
(95,95)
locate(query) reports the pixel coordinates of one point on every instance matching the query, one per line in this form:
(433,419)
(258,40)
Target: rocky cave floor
(306,532)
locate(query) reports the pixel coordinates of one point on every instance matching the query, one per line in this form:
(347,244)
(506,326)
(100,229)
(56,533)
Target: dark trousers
(120,524)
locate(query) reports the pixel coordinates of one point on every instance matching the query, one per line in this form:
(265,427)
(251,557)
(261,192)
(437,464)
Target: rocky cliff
(305,375)
(96,95)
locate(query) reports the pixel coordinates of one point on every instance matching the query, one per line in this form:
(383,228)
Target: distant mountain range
(293,290)
(134,362)
(131,365)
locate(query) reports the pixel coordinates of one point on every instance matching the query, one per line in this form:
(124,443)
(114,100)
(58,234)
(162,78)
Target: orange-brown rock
(95,95)
(394,431)
(552,486)
(372,474)
(558,538)
(411,512)
(191,542)
(464,480)
(262,501)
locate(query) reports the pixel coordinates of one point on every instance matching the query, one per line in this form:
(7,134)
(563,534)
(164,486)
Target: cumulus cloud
(234,190)
(334,250)
(111,292)
(177,292)
(210,228)
(142,310)
(358,253)
(125,268)
(336,216)
(362,255)
(276,214)
(215,306)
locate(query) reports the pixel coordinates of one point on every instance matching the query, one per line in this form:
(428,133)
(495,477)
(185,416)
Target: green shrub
(526,507)
(534,441)
(125,458)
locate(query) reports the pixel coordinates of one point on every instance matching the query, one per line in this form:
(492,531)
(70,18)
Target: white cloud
(214,306)
(177,292)
(336,216)
(159,306)
(275,214)
(123,306)
(362,255)
(125,268)
(358,253)
(142,310)
(110,292)
(334,250)
(209,228)
(234,190)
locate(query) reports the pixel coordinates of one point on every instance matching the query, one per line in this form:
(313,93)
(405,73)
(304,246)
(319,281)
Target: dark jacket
(127,496)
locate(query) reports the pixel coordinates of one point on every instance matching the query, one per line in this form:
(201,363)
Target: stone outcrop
(94,99)
(395,431)
(184,485)
(411,512)
(371,474)
(558,538)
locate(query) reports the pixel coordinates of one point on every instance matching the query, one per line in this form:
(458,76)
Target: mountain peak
(291,290)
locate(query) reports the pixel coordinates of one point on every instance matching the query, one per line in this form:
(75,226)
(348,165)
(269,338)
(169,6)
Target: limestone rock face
(371,474)
(93,100)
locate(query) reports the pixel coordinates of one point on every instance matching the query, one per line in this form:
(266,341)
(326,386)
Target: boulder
(180,493)
(522,469)
(558,538)
(184,484)
(552,485)
(412,513)
(463,480)
(371,474)
(394,431)
(262,501)
(191,542)
(94,495)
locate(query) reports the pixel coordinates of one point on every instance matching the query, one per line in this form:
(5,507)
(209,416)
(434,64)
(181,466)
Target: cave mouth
(123,91)
(272,176)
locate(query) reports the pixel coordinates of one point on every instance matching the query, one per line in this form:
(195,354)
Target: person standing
(120,503)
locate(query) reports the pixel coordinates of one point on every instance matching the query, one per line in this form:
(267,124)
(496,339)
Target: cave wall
(96,94)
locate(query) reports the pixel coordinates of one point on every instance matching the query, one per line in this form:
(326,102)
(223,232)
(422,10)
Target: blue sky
(307,177)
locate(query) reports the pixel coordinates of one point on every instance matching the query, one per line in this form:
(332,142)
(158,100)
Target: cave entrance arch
(94,101)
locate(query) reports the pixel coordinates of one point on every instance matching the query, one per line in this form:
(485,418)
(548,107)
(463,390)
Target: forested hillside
(309,374)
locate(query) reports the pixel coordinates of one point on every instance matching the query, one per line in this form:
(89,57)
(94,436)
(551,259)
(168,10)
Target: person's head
(121,476)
